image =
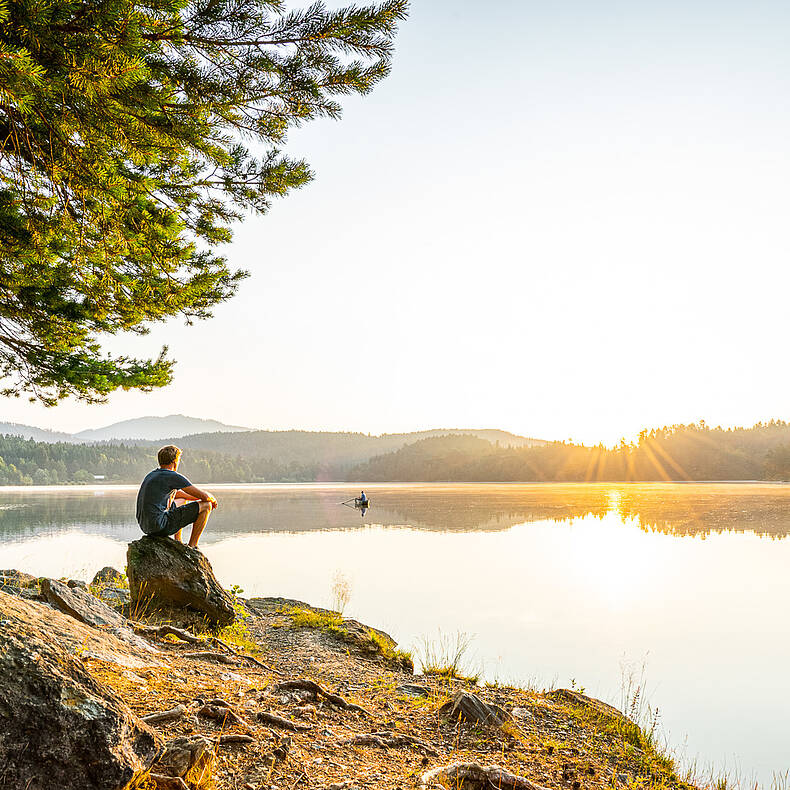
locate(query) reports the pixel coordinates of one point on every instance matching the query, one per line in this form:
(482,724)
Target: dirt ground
(558,739)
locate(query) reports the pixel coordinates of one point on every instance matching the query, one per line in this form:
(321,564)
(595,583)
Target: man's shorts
(177,518)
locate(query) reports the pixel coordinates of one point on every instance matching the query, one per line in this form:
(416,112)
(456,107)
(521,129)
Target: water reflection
(702,510)
(555,581)
(674,509)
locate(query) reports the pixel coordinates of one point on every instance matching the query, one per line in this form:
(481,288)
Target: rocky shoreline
(106,688)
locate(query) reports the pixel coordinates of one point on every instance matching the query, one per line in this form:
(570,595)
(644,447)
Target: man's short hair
(168,455)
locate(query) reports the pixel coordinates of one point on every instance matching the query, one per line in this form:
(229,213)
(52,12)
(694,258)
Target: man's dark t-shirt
(152,498)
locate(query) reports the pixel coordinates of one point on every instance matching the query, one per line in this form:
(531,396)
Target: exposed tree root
(207,655)
(167,630)
(223,714)
(170,630)
(165,715)
(320,691)
(233,737)
(222,703)
(215,640)
(386,740)
(278,721)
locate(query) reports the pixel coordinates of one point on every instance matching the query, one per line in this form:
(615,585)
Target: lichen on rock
(59,726)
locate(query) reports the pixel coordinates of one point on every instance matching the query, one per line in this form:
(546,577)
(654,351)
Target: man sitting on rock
(167,502)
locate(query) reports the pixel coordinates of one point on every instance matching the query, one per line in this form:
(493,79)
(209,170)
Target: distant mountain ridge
(327,449)
(307,452)
(156,428)
(37,434)
(692,452)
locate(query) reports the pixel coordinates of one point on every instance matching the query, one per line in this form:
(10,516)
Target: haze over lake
(558,583)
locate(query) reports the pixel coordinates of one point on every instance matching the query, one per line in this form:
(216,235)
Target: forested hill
(680,452)
(255,456)
(329,449)
(690,452)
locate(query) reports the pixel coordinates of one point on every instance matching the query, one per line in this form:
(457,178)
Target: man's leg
(200,523)
(178,502)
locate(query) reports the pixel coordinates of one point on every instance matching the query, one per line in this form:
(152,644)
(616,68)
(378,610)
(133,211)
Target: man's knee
(205,507)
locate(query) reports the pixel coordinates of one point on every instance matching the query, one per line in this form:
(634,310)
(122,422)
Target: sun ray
(657,465)
(668,458)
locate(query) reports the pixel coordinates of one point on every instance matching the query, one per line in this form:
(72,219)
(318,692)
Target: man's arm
(195,493)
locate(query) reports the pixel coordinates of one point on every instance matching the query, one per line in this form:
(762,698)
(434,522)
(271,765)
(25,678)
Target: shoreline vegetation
(290,696)
(676,453)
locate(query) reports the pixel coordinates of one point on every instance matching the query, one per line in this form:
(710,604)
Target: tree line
(678,452)
(27,462)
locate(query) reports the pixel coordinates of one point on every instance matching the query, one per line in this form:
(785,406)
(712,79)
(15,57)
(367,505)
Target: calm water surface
(556,583)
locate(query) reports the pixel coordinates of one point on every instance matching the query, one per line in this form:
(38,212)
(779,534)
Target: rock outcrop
(77,639)
(580,700)
(164,572)
(470,708)
(82,606)
(111,587)
(108,575)
(368,640)
(16,582)
(59,727)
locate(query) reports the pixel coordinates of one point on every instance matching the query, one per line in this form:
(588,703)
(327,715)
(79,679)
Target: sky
(564,219)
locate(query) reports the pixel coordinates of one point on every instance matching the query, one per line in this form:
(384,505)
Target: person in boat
(362,499)
(167,502)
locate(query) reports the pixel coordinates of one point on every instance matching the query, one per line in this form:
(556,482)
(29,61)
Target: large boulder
(59,727)
(162,571)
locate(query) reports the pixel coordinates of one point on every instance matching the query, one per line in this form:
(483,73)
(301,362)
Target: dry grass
(341,592)
(446,656)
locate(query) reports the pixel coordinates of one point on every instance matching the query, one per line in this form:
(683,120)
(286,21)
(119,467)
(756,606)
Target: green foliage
(25,462)
(383,646)
(638,745)
(133,133)
(331,622)
(238,632)
(434,458)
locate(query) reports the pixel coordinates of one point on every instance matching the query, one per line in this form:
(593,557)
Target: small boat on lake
(361,502)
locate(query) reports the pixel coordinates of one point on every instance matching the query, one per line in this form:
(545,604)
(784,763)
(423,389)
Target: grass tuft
(238,632)
(322,620)
(390,653)
(445,657)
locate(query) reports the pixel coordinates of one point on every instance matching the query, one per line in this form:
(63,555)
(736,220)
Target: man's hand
(194,492)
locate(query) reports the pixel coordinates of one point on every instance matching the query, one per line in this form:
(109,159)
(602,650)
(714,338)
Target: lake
(558,584)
